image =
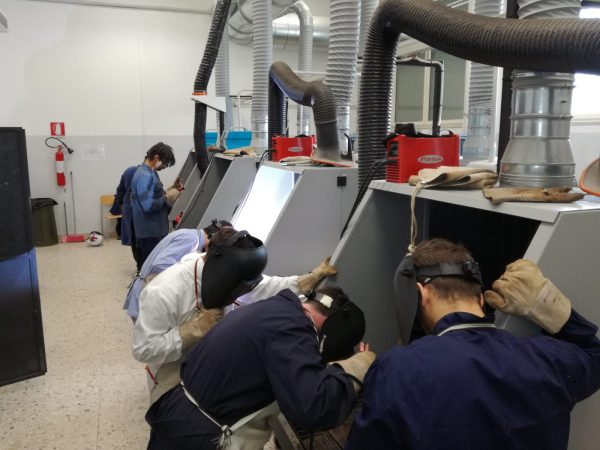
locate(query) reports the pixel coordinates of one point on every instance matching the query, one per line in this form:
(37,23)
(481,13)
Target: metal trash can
(43,222)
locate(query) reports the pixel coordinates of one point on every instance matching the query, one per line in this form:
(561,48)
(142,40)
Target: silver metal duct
(286,27)
(539,152)
(263,55)
(222,85)
(286,31)
(482,98)
(342,59)
(305,18)
(367,8)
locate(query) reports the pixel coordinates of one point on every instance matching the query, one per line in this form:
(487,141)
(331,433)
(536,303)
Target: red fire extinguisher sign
(57,128)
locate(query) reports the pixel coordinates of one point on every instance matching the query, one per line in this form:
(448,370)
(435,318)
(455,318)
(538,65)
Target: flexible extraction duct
(367,8)
(342,58)
(203,76)
(282,80)
(564,45)
(481,110)
(539,152)
(222,85)
(263,55)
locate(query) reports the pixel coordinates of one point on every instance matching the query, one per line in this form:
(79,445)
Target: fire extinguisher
(59,158)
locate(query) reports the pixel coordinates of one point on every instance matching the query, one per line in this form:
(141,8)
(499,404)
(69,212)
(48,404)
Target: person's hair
(222,235)
(164,152)
(215,226)
(338,296)
(439,250)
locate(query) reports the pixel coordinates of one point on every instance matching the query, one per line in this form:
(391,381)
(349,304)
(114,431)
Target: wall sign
(57,128)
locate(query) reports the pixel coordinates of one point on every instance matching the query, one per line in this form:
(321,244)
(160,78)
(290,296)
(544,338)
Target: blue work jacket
(257,354)
(479,388)
(149,204)
(122,204)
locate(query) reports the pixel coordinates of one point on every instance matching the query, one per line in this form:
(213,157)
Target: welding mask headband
(468,269)
(343,329)
(230,272)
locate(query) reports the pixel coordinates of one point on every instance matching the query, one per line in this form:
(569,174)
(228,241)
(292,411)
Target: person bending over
(468,384)
(187,299)
(262,359)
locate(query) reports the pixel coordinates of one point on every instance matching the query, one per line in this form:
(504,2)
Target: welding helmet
(95,239)
(407,293)
(343,329)
(230,271)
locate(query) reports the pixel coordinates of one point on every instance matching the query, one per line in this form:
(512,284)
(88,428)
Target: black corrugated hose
(315,94)
(547,45)
(211,51)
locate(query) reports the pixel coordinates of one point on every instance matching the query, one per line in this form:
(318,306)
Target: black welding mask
(407,292)
(343,329)
(230,272)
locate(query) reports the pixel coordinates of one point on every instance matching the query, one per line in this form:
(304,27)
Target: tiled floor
(94,394)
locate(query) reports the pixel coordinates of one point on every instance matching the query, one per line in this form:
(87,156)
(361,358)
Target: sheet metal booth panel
(218,193)
(301,226)
(561,238)
(190,183)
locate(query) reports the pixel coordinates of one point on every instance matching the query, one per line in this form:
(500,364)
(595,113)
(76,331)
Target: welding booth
(298,212)
(561,238)
(217,194)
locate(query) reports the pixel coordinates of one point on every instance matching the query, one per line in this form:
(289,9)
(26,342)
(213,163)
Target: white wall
(120,79)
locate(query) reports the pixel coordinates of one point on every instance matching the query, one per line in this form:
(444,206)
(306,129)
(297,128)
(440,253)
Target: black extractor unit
(22,353)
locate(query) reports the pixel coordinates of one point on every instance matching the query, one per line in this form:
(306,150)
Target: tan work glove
(176,184)
(524,291)
(192,330)
(310,280)
(357,366)
(172,195)
(540,195)
(454,177)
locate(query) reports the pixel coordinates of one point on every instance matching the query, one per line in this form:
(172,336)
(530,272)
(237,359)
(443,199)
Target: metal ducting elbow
(316,94)
(539,152)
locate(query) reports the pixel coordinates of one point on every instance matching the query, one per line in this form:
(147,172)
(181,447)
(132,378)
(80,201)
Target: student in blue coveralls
(122,205)
(150,203)
(261,359)
(470,385)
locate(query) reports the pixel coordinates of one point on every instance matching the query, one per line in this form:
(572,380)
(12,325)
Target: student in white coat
(182,303)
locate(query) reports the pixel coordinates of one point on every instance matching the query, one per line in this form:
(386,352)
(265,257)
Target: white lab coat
(168,301)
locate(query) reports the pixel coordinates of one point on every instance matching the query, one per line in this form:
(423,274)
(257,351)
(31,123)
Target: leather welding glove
(192,330)
(454,177)
(543,195)
(524,291)
(310,280)
(172,195)
(357,366)
(176,184)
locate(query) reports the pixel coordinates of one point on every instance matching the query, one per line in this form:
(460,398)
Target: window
(586,95)
(414,85)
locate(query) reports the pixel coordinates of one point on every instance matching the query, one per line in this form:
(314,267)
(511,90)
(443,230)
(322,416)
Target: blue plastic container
(211,138)
(237,139)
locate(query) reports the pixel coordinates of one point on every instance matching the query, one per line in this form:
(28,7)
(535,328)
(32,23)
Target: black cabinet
(22,352)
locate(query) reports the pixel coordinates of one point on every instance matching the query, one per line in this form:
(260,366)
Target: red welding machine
(296,146)
(412,154)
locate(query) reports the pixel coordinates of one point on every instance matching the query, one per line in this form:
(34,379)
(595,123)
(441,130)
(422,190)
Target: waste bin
(43,222)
